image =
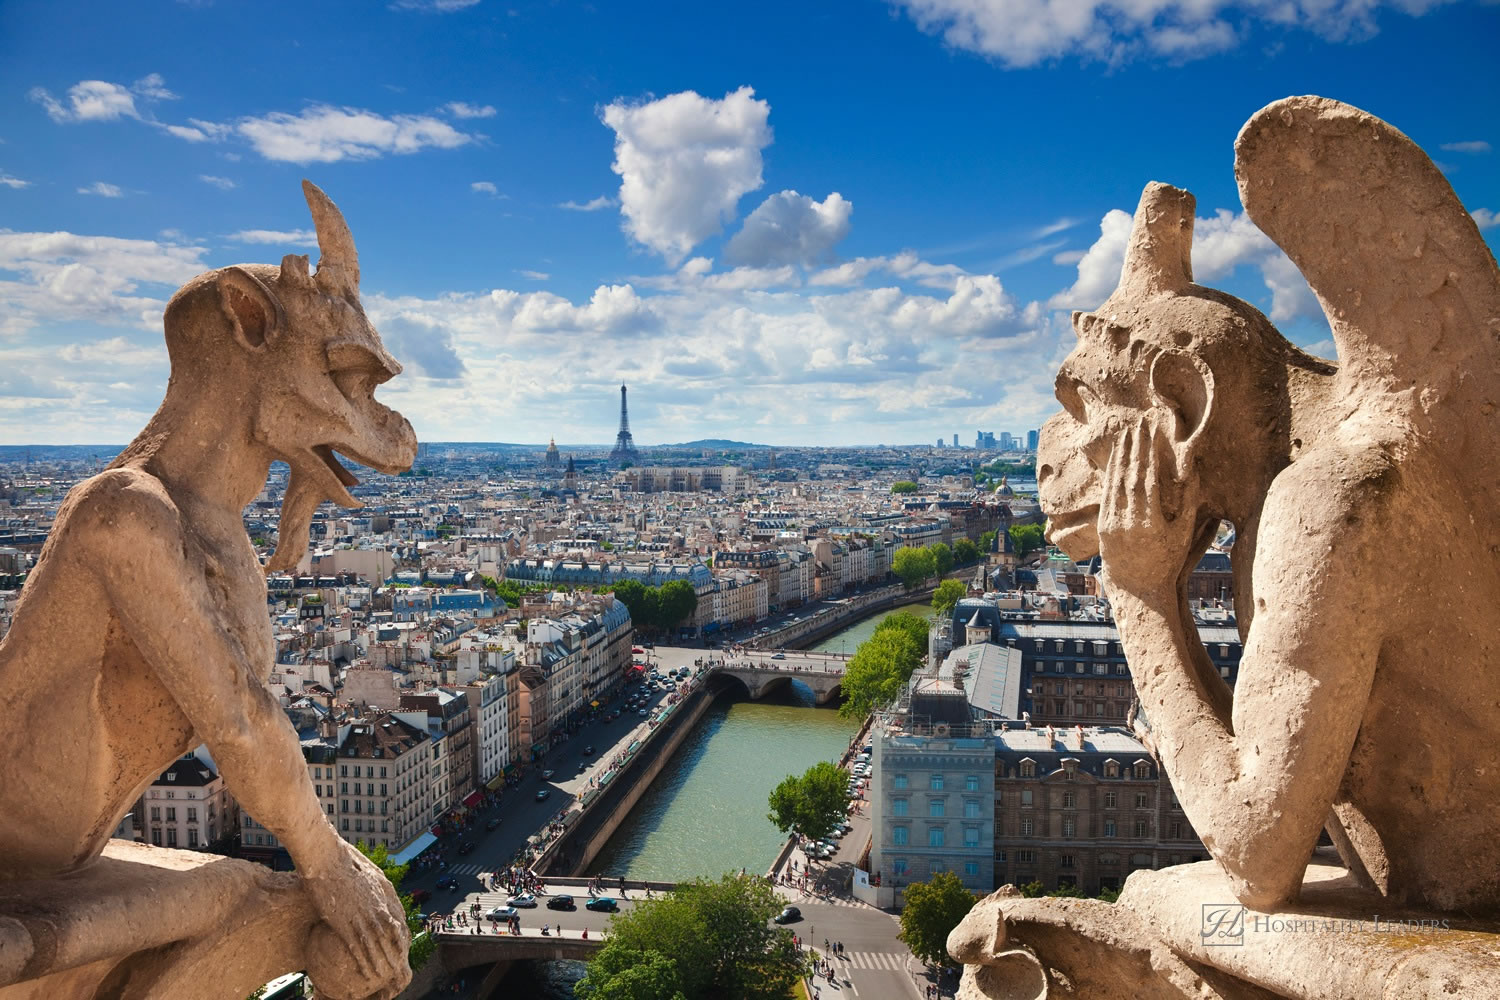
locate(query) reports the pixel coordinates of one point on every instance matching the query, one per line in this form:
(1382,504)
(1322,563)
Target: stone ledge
(144,922)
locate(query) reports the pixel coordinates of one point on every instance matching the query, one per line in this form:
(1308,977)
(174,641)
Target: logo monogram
(1223,925)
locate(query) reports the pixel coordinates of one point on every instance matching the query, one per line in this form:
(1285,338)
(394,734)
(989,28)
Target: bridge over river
(763,672)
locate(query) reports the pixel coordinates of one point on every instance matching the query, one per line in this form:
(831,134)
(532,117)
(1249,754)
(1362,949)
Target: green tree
(942,556)
(914,626)
(716,936)
(676,601)
(965,552)
(949,593)
(875,673)
(932,910)
(1032,890)
(627,974)
(1026,538)
(643,603)
(913,565)
(986,541)
(904,486)
(812,804)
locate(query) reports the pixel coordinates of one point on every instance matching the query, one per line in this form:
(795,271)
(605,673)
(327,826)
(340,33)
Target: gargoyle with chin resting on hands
(147,609)
(1366,502)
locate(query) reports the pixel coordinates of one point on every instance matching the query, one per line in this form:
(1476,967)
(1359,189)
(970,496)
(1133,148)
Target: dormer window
(1111,769)
(171,776)
(1028,768)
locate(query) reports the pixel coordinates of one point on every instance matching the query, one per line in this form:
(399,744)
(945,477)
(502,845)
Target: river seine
(706,812)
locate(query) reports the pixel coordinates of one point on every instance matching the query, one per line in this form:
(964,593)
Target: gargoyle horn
(338,261)
(1160,255)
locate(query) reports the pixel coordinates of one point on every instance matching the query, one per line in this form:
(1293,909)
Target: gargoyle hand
(368,925)
(1148,515)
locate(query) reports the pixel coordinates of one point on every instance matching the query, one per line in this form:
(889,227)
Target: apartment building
(188,805)
(1083,807)
(445,713)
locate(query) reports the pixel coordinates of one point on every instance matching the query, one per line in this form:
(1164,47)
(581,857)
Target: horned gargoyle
(1365,498)
(143,630)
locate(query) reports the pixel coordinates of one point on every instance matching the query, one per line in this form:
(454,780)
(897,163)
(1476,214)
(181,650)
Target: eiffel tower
(624,444)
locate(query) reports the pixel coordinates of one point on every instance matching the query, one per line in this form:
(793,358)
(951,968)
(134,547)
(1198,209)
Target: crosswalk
(873,960)
(461,870)
(801,898)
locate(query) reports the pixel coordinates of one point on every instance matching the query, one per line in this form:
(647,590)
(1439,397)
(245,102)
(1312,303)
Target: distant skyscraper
(624,444)
(1005,441)
(1031,438)
(955,440)
(940,442)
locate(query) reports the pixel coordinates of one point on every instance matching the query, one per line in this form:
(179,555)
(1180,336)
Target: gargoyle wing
(1410,288)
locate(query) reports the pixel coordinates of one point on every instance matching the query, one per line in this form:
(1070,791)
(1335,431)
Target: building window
(343,788)
(192,837)
(156,814)
(1025,796)
(1025,857)
(1028,769)
(1068,800)
(1140,800)
(343,770)
(1109,828)
(1111,769)
(971,836)
(898,807)
(898,866)
(1026,827)
(934,807)
(971,808)
(1100,669)
(898,781)
(900,835)
(382,772)
(1176,831)
(971,868)
(971,783)
(171,836)
(1140,828)
(171,814)
(156,836)
(1067,861)
(934,836)
(1069,825)
(1110,800)
(935,782)
(1142,770)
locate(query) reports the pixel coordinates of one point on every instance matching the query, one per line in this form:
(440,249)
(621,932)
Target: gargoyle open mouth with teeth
(355,363)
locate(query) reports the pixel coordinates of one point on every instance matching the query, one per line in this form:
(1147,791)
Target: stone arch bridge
(764,672)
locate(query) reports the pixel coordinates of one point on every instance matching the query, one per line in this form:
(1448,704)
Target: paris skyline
(867,229)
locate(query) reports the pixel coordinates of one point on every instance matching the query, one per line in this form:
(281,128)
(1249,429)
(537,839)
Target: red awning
(472,799)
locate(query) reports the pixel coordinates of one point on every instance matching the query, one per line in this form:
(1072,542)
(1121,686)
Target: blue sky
(838,223)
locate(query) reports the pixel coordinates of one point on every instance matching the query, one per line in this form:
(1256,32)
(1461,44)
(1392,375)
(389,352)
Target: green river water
(705,814)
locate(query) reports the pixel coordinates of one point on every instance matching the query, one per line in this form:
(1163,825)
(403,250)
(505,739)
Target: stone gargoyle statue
(1366,501)
(143,632)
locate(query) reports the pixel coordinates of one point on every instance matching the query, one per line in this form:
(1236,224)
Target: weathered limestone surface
(143,632)
(1366,500)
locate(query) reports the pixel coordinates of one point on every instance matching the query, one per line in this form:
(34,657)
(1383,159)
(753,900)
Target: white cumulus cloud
(222,183)
(326,134)
(684,163)
(484,187)
(291,237)
(1021,33)
(462,109)
(1484,218)
(438,6)
(1471,146)
(103,190)
(790,228)
(592,205)
(7,180)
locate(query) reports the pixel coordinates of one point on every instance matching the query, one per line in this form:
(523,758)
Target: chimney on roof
(1078,733)
(1051,736)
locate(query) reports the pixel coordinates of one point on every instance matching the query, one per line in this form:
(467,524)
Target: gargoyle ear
(254,314)
(1183,385)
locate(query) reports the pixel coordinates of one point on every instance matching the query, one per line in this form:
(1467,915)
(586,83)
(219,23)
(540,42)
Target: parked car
(542,794)
(604,904)
(788,914)
(778,656)
(492,822)
(420,896)
(561,902)
(502,913)
(448,882)
(588,750)
(641,712)
(547,775)
(524,901)
(466,847)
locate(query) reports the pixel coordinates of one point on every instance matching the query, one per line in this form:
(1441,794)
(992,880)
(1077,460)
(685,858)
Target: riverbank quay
(835,615)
